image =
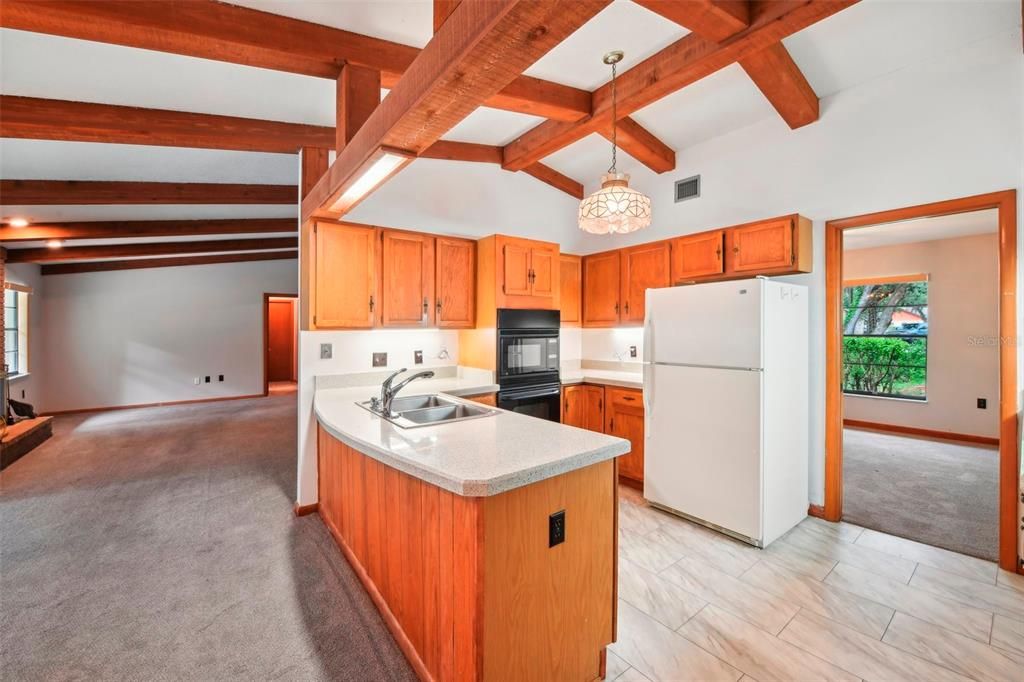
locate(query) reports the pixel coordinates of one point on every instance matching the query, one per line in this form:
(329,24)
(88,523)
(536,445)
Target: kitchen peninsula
(488,545)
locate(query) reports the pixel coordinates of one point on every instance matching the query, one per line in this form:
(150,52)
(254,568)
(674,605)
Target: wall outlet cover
(632,351)
(326,351)
(197,381)
(207,379)
(380,359)
(220,377)
(417,357)
(982,403)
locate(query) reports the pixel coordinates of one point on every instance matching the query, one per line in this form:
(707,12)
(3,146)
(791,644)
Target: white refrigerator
(726,398)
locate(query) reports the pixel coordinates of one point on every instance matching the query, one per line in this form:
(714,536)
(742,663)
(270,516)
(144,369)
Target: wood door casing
(407,269)
(456,283)
(624,417)
(697,256)
(760,246)
(570,289)
(643,267)
(281,339)
(345,276)
(601,289)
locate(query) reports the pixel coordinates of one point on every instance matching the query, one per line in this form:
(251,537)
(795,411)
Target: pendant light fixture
(616,208)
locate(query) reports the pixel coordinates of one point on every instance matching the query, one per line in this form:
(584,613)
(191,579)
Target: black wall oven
(528,361)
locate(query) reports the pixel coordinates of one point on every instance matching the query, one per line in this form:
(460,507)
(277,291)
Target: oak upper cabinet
(601,289)
(570,289)
(516,261)
(455,283)
(769,246)
(643,267)
(407,274)
(624,417)
(583,407)
(515,273)
(345,276)
(544,271)
(698,256)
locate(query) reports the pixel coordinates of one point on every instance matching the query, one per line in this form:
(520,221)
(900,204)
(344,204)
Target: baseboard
(914,431)
(86,410)
(304,509)
(816,510)
(631,482)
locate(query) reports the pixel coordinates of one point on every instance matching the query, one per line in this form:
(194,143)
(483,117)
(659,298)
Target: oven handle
(530,393)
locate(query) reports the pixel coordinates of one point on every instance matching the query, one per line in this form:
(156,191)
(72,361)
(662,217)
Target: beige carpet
(160,544)
(937,492)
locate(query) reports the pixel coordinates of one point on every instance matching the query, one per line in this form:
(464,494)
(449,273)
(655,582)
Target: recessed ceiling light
(54,243)
(18,222)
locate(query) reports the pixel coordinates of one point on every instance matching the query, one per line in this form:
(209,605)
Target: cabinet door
(625,419)
(601,290)
(517,270)
(543,274)
(407,279)
(485,399)
(643,267)
(345,276)
(696,256)
(456,283)
(594,398)
(760,246)
(574,406)
(570,289)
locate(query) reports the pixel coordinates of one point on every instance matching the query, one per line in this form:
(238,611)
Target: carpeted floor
(160,544)
(937,492)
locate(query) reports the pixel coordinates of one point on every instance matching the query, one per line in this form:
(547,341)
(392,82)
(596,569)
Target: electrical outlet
(556,528)
(380,359)
(326,351)
(197,381)
(632,351)
(207,379)
(982,403)
(417,357)
(220,377)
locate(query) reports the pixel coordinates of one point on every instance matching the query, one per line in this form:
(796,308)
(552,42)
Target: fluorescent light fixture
(54,244)
(18,222)
(380,166)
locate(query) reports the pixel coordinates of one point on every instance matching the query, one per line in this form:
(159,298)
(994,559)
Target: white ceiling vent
(688,188)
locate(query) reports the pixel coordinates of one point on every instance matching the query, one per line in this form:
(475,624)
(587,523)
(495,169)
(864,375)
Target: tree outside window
(885,338)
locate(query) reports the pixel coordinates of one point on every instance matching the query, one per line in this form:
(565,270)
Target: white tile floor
(825,602)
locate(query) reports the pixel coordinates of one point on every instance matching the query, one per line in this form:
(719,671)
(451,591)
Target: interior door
(408,279)
(281,339)
(643,267)
(703,454)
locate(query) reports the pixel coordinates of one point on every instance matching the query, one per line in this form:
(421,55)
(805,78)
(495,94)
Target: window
(16,329)
(885,337)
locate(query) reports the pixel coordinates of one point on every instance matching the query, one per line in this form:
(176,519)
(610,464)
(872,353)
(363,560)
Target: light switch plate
(632,351)
(326,351)
(417,357)
(380,359)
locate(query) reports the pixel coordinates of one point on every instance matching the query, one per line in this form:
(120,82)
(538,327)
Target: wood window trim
(26,350)
(14,286)
(1006,204)
(891,279)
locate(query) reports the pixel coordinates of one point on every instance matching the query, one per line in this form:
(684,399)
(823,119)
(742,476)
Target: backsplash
(612,344)
(353,350)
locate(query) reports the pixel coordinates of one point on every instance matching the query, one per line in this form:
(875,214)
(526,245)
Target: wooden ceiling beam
(116,229)
(443,8)
(713,19)
(783,84)
(229,33)
(451,150)
(557,180)
(682,63)
(48,255)
(95,192)
(482,47)
(642,145)
(145,263)
(358,94)
(51,119)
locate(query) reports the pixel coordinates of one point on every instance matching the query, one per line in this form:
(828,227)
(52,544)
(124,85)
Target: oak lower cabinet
(624,417)
(407,287)
(583,407)
(697,256)
(455,283)
(570,289)
(484,399)
(344,277)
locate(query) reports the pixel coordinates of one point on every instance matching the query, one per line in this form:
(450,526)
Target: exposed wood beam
(443,8)
(643,146)
(53,119)
(713,19)
(358,94)
(48,255)
(682,63)
(145,263)
(82,192)
(555,179)
(229,33)
(144,228)
(780,79)
(481,48)
(313,165)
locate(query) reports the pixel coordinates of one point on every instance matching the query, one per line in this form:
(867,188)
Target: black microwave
(527,347)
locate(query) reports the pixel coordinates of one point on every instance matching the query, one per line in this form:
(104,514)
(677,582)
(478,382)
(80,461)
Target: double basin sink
(413,411)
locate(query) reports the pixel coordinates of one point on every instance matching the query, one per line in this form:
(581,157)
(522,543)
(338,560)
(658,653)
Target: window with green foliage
(885,338)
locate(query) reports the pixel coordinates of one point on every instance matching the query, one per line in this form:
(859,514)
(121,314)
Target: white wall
(612,345)
(28,388)
(963,304)
(140,336)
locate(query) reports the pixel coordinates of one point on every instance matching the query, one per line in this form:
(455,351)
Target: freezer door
(716,324)
(703,444)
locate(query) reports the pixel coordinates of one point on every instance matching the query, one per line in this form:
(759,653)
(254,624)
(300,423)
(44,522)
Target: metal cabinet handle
(735,249)
(616,307)
(426,307)
(438,306)
(628,398)
(371,303)
(718,252)
(627,307)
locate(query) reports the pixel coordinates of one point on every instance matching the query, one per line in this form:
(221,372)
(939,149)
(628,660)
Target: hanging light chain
(615,145)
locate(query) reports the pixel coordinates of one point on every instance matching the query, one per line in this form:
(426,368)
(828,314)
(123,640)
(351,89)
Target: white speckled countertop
(602,376)
(474,458)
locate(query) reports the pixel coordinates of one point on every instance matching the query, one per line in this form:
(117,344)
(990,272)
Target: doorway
(280,336)
(845,293)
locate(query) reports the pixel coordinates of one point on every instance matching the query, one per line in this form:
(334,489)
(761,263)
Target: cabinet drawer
(625,397)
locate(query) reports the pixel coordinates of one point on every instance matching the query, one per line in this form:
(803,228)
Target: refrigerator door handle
(648,336)
(648,392)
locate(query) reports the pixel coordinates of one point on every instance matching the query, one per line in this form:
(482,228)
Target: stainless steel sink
(429,410)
